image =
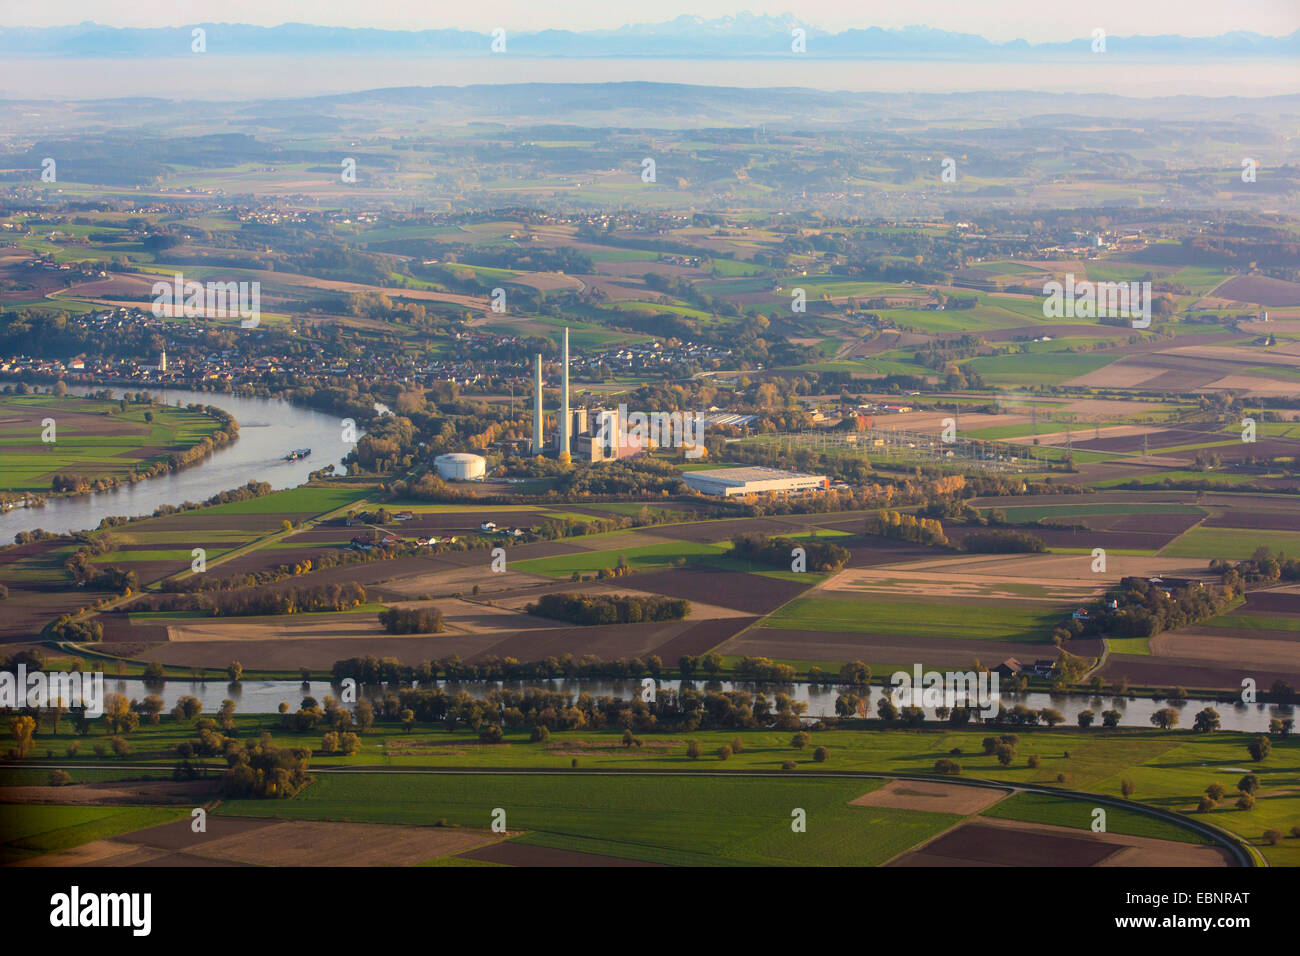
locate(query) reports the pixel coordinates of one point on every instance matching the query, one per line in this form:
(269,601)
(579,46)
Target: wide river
(268,429)
(265,696)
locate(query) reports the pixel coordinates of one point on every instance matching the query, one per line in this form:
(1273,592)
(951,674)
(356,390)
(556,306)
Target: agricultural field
(91,439)
(666,814)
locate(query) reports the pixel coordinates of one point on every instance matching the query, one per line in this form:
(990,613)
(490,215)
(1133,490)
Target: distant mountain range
(742,35)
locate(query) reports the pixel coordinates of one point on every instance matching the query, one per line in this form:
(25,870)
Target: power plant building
(459,466)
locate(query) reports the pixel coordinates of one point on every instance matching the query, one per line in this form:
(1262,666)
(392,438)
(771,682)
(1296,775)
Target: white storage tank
(459,466)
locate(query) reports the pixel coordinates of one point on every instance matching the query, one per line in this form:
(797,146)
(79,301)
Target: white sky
(1033,20)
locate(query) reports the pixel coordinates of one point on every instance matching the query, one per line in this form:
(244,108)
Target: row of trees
(336,596)
(777,552)
(591,609)
(411,620)
(905,527)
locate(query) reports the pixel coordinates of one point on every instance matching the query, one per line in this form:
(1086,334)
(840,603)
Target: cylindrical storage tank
(459,466)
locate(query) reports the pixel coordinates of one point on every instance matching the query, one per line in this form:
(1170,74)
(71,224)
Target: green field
(1231,543)
(308,500)
(1066,812)
(657,819)
(919,618)
(31,830)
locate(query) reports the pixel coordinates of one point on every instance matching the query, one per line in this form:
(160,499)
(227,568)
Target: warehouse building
(734,482)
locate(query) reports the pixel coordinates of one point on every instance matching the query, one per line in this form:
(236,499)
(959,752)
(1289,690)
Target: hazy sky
(1034,20)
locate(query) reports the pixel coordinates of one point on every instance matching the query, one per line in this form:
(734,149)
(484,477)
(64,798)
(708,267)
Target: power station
(582,433)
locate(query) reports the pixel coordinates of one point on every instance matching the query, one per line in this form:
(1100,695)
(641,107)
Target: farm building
(733,482)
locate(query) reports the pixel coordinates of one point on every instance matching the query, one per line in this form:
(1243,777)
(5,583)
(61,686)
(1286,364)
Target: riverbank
(62,446)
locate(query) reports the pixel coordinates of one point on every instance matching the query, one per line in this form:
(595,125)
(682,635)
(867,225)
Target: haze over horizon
(1000,22)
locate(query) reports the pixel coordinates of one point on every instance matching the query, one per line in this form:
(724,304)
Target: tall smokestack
(537,406)
(564,399)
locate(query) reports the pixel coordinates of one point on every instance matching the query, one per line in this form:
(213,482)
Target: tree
(1165,718)
(1246,801)
(948,767)
(235,671)
(855,674)
(1051,716)
(820,754)
(693,749)
(1259,748)
(152,707)
(187,708)
(1127,788)
(1206,721)
(724,752)
(799,741)
(1086,718)
(407,717)
(1205,805)
(540,734)
(1248,783)
(1110,718)
(59,778)
(21,729)
(737,746)
(1006,753)
(364,715)
(1273,837)
(1216,791)
(118,716)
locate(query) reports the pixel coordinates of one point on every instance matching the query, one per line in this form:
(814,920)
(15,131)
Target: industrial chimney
(564,400)
(537,407)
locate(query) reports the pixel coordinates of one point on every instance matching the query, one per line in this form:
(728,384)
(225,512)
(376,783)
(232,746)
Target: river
(264,697)
(268,429)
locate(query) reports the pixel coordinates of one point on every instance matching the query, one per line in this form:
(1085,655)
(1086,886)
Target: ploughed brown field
(113,793)
(931,797)
(288,646)
(230,841)
(995,842)
(1067,538)
(706,531)
(751,593)
(1189,672)
(514,853)
(1262,290)
(1255,520)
